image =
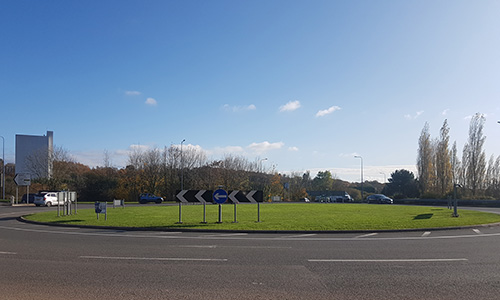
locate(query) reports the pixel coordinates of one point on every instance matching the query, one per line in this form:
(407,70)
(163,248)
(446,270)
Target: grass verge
(304,217)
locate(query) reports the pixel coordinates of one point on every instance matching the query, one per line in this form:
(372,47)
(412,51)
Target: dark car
(31,198)
(379,198)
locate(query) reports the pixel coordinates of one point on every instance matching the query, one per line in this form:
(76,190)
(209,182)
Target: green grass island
(275,217)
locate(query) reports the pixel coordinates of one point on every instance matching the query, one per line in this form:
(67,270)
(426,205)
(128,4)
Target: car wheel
(48,204)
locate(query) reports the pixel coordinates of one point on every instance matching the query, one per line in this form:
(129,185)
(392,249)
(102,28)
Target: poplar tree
(425,164)
(443,161)
(474,158)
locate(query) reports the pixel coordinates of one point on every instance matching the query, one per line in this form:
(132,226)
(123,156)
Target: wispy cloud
(415,116)
(328,111)
(228,107)
(290,106)
(151,102)
(263,147)
(445,112)
(294,149)
(132,93)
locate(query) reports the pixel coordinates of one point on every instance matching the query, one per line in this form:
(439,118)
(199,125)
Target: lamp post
(182,167)
(362,194)
(3,168)
(260,163)
(385,179)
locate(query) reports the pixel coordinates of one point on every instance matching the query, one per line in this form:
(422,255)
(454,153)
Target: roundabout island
(271,217)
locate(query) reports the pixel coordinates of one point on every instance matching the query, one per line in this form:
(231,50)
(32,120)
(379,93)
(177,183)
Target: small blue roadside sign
(220,196)
(97,207)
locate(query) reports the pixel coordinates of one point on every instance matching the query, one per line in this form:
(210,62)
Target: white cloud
(417,114)
(445,112)
(151,102)
(132,93)
(227,107)
(328,111)
(294,149)
(263,147)
(290,106)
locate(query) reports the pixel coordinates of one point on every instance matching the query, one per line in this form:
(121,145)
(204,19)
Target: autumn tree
(425,161)
(443,161)
(474,157)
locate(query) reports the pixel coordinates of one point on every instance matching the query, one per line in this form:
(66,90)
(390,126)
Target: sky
(308,85)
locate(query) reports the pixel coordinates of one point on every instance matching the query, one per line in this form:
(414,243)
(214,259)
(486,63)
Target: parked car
(31,198)
(379,198)
(46,199)
(147,197)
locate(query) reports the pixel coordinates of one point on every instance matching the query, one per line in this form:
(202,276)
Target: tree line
(164,171)
(440,168)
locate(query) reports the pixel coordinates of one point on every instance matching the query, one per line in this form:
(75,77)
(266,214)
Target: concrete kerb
(177,229)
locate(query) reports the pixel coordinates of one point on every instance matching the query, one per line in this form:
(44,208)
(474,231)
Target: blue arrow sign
(220,196)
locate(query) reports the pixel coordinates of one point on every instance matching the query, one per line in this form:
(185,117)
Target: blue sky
(306,84)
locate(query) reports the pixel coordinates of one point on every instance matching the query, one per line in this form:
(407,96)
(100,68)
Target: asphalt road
(44,262)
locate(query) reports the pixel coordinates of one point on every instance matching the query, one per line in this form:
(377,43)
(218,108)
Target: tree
(425,163)
(474,158)
(323,181)
(443,162)
(401,184)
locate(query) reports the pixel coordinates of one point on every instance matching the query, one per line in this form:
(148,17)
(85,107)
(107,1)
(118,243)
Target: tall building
(34,154)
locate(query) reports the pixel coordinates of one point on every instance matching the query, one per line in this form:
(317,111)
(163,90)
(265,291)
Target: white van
(47,199)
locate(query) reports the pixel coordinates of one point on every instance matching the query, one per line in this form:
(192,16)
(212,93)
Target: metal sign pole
(235,221)
(204,213)
(220,214)
(258,212)
(180,213)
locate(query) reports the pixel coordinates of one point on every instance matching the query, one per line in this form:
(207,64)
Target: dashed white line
(391,260)
(8,253)
(427,233)
(153,258)
(366,235)
(477,231)
(302,235)
(225,234)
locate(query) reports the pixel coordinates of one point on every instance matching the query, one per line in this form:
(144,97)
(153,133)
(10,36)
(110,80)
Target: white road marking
(124,234)
(391,260)
(367,235)
(225,234)
(151,258)
(8,253)
(198,246)
(427,233)
(302,235)
(477,231)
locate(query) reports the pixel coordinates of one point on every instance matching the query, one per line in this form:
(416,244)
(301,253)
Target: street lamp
(260,163)
(384,176)
(3,170)
(362,194)
(182,168)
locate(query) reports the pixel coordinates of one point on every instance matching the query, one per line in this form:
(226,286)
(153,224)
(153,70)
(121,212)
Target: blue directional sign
(220,196)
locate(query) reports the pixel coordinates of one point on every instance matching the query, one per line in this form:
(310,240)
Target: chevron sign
(204,196)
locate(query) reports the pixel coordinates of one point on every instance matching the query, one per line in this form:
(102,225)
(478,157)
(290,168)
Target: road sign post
(220,196)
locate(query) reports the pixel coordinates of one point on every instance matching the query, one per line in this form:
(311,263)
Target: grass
(289,216)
